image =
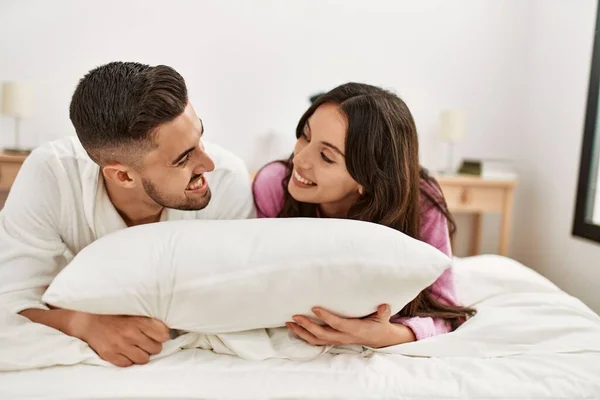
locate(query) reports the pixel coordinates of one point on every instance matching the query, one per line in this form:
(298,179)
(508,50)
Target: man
(139,159)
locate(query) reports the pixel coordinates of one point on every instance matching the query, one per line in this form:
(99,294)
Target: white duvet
(528,340)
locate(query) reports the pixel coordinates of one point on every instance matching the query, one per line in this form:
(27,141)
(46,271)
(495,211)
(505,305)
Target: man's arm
(31,248)
(58,319)
(31,255)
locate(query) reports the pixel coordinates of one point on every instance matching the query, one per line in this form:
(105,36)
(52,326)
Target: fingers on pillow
(324,334)
(118,360)
(148,344)
(113,355)
(337,323)
(384,312)
(136,355)
(305,335)
(156,330)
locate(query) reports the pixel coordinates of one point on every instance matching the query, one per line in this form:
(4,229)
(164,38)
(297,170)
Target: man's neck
(135,208)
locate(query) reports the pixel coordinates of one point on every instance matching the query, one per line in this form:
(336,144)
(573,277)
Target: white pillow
(228,276)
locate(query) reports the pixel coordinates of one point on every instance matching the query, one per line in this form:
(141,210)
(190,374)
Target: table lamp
(16,103)
(452,130)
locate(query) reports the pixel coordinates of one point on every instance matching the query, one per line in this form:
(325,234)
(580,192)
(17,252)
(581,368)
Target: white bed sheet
(199,374)
(530,340)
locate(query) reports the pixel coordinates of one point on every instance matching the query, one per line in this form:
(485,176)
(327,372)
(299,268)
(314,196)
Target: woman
(357,157)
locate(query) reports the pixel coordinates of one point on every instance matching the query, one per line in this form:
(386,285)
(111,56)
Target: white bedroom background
(251,65)
(561,39)
(518,69)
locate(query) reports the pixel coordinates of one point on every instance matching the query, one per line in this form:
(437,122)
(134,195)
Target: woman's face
(320,175)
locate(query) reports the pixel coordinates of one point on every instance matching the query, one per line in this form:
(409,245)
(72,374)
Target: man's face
(173,172)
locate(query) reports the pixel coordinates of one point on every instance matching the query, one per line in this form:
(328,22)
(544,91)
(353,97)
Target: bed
(529,340)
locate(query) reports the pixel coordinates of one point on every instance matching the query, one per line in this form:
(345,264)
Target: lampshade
(16,100)
(452,125)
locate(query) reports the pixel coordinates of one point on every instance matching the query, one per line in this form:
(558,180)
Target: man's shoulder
(51,178)
(66,150)
(62,164)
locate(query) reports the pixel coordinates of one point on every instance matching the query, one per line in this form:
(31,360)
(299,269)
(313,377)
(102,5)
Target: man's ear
(120,174)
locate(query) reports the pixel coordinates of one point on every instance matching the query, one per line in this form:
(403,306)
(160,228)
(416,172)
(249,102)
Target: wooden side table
(9,167)
(476,195)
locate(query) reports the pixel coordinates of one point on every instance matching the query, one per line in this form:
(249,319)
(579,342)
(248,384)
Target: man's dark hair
(117,107)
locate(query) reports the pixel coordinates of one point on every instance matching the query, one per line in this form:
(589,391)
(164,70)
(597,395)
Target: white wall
(560,45)
(519,69)
(251,65)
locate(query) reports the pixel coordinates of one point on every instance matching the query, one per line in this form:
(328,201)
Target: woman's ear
(361,190)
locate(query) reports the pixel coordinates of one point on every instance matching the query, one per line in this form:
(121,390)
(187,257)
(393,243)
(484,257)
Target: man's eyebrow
(186,152)
(332,147)
(182,155)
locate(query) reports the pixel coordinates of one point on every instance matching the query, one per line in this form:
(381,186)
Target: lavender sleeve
(434,231)
(267,190)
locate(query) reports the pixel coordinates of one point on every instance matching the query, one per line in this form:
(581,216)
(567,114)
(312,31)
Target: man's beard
(178,203)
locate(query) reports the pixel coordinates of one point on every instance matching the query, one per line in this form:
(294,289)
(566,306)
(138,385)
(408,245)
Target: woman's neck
(337,209)
(331,211)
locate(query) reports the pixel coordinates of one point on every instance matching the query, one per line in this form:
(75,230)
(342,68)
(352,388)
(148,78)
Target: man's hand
(120,340)
(375,331)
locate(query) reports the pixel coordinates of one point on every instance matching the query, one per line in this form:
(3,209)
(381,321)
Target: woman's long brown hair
(382,155)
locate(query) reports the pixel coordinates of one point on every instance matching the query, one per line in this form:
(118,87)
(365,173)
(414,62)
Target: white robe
(58,205)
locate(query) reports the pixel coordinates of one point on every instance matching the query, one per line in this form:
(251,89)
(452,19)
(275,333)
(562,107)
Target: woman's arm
(434,231)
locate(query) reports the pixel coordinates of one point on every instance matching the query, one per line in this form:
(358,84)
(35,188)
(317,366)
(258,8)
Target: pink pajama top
(269,196)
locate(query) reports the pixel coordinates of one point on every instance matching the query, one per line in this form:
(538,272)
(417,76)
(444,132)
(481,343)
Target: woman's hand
(374,331)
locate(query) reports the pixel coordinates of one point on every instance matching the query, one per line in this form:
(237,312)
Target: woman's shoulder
(431,189)
(273,170)
(434,224)
(268,190)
